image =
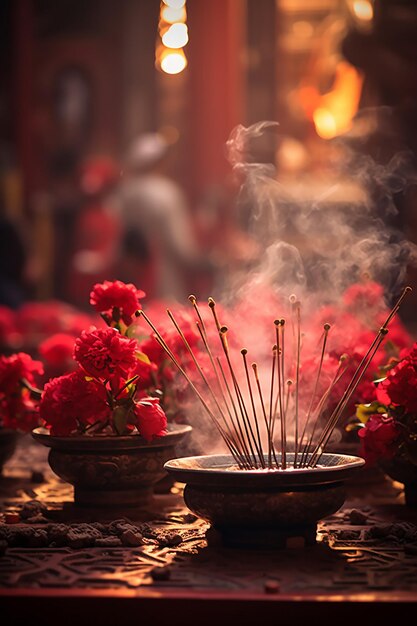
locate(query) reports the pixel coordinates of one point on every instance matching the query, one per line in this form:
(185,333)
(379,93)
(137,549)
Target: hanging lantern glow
(174,4)
(176,36)
(172,16)
(172,37)
(173,61)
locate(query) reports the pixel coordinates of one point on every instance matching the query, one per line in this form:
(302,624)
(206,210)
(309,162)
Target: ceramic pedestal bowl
(263,507)
(111,471)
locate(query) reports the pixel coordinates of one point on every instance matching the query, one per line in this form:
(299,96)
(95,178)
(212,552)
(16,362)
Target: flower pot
(257,508)
(403,471)
(8,442)
(111,471)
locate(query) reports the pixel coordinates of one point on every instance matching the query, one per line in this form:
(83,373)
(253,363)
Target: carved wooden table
(62,565)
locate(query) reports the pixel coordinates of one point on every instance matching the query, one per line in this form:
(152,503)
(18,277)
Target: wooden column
(23,62)
(216,87)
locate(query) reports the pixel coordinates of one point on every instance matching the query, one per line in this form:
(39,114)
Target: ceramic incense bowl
(263,507)
(111,471)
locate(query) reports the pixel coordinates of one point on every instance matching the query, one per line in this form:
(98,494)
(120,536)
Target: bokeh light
(176,36)
(171,15)
(173,61)
(174,4)
(363,10)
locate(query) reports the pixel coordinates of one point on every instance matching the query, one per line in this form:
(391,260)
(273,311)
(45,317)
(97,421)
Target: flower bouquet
(103,421)
(388,424)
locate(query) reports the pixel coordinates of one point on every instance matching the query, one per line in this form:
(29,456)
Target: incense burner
(257,508)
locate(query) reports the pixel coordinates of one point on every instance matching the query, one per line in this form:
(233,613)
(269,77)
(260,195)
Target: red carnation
(379,438)
(151,420)
(72,399)
(14,368)
(146,372)
(58,349)
(105,353)
(19,412)
(116,299)
(400,386)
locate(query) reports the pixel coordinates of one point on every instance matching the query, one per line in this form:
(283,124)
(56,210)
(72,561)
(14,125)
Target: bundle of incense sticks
(240,415)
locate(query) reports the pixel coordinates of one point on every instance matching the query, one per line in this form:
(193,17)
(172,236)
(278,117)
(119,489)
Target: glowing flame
(173,62)
(325,123)
(336,109)
(172,16)
(176,36)
(363,10)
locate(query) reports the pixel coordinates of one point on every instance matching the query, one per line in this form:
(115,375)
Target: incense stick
(173,358)
(280,397)
(245,418)
(341,369)
(326,328)
(297,377)
(206,382)
(360,370)
(255,417)
(237,423)
(258,384)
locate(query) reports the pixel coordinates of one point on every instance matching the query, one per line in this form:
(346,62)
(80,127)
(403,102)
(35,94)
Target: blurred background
(115,114)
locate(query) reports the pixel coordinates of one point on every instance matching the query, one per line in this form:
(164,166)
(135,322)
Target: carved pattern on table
(345,559)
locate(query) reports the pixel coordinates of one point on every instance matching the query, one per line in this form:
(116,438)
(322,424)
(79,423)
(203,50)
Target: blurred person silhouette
(158,245)
(96,231)
(66,202)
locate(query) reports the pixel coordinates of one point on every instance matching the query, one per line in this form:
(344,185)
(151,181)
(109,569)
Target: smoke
(315,237)
(319,236)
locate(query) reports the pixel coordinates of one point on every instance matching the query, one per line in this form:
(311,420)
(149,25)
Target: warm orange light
(176,36)
(172,16)
(174,4)
(336,109)
(173,61)
(325,123)
(363,10)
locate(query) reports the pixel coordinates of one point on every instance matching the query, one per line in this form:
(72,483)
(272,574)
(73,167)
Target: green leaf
(141,356)
(364,411)
(120,419)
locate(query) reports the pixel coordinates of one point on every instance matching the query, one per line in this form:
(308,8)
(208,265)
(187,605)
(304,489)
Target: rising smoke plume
(317,240)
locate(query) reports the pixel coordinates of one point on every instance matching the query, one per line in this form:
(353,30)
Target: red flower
(70,400)
(151,420)
(400,386)
(105,353)
(16,367)
(146,372)
(117,299)
(411,354)
(44,318)
(19,412)
(379,438)
(153,350)
(58,349)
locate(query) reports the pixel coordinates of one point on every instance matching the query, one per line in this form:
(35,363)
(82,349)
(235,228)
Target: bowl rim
(110,442)
(196,470)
